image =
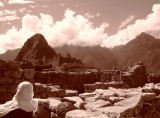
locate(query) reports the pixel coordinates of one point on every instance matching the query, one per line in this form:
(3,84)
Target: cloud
(89,16)
(7,15)
(98,14)
(150,25)
(77,30)
(8,18)
(44,6)
(22,10)
(62,4)
(127,21)
(1,4)
(20,1)
(72,29)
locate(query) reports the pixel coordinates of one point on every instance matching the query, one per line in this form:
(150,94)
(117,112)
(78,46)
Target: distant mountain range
(143,48)
(95,56)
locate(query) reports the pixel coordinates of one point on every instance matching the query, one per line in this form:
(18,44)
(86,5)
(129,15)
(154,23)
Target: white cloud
(1,4)
(98,14)
(150,25)
(77,30)
(20,1)
(7,15)
(32,6)
(89,16)
(8,18)
(44,6)
(22,10)
(73,29)
(9,12)
(62,4)
(127,21)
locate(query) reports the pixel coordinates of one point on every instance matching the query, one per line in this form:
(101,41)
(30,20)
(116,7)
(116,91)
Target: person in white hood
(23,103)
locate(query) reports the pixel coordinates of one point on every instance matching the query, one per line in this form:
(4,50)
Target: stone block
(53,103)
(84,114)
(61,93)
(133,104)
(115,111)
(146,109)
(63,108)
(115,99)
(99,85)
(38,88)
(12,89)
(5,97)
(13,65)
(18,80)
(106,94)
(89,88)
(5,80)
(77,101)
(148,96)
(70,93)
(13,73)
(2,63)
(29,74)
(85,95)
(152,107)
(3,90)
(157,102)
(156,114)
(42,110)
(53,93)
(97,104)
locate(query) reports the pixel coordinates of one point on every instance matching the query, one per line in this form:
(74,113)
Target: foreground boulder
(77,101)
(123,109)
(63,108)
(97,104)
(84,114)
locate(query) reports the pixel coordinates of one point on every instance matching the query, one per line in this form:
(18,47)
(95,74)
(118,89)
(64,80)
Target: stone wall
(44,91)
(154,78)
(134,76)
(67,80)
(101,85)
(110,75)
(11,75)
(128,77)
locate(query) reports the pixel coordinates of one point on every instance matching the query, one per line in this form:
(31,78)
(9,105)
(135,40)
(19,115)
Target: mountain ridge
(144,47)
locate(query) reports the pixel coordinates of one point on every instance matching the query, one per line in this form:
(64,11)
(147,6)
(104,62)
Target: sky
(107,23)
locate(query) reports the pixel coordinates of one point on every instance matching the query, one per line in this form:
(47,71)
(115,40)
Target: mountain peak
(144,35)
(36,39)
(36,48)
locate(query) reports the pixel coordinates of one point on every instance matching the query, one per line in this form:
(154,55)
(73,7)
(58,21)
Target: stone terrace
(59,98)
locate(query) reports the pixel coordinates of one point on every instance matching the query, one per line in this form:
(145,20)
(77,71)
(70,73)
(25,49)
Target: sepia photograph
(79,58)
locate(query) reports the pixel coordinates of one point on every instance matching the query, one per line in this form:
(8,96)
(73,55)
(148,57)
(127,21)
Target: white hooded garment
(23,99)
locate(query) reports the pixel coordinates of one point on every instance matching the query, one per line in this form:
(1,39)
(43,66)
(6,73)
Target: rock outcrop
(105,103)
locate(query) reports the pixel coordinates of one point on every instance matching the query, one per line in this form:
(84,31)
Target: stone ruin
(118,93)
(141,102)
(154,78)
(46,83)
(128,77)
